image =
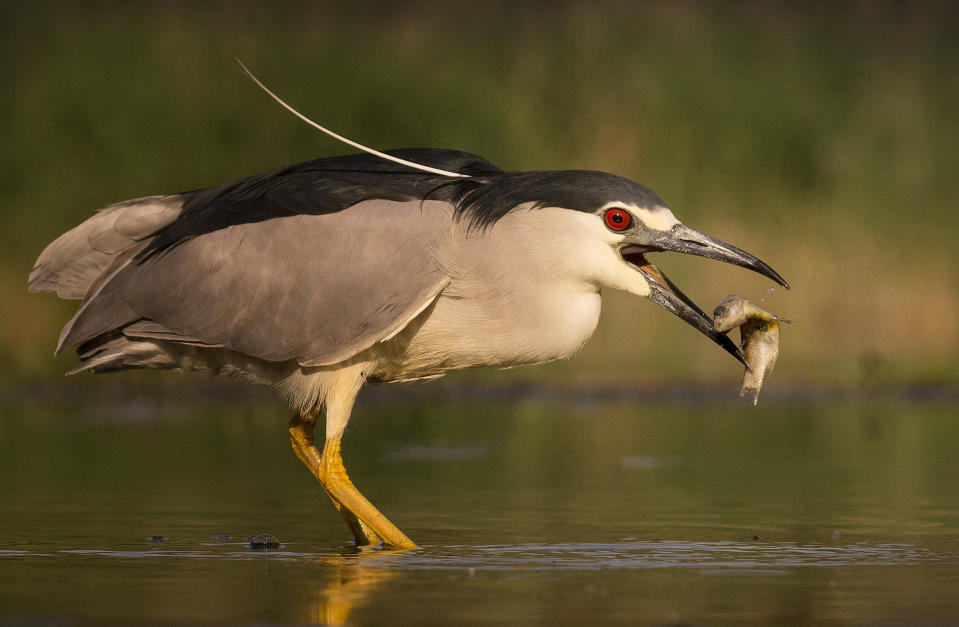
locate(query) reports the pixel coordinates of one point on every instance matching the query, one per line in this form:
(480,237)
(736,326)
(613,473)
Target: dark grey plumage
(486,201)
(317,187)
(333,184)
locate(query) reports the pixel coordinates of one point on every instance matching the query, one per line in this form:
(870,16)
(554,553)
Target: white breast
(523,292)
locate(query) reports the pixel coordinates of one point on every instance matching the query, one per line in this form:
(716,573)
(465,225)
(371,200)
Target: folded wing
(314,288)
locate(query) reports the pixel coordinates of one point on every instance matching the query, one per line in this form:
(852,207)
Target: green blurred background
(822,137)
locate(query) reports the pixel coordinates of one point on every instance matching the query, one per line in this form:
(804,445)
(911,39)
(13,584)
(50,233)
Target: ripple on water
(723,557)
(717,557)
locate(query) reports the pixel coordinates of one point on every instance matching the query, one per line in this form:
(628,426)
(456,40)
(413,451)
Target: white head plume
(382,155)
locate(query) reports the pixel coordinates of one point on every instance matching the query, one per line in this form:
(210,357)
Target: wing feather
(315,288)
(75,260)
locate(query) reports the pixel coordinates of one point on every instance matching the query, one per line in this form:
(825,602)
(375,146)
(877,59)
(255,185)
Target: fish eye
(617,219)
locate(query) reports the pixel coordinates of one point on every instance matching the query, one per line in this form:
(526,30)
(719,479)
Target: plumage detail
(276,289)
(70,264)
(482,202)
(317,187)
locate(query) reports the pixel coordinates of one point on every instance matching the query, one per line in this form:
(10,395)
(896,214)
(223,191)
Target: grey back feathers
(317,289)
(333,184)
(317,187)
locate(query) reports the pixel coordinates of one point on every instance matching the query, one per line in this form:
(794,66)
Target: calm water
(123,507)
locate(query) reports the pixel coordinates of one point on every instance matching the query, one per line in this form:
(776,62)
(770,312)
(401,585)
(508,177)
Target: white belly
(463,333)
(524,291)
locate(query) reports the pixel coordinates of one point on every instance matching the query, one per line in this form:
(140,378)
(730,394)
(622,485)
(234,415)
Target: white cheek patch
(657,218)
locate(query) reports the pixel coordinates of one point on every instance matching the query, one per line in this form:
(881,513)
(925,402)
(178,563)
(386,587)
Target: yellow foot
(368,525)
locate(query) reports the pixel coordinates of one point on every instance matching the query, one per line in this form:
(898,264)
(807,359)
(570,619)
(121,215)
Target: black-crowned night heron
(322,276)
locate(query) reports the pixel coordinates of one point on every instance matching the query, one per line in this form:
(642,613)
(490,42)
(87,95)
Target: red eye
(617,219)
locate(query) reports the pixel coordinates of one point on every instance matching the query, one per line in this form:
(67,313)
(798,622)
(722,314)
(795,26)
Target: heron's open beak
(683,239)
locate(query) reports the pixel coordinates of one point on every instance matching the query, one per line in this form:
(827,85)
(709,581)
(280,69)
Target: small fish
(759,333)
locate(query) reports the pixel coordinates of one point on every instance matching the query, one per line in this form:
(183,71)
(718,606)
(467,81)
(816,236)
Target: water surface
(529,509)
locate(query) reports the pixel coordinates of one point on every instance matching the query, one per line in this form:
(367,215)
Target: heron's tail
(114,351)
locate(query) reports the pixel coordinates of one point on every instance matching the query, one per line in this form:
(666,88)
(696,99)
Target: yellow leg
(369,526)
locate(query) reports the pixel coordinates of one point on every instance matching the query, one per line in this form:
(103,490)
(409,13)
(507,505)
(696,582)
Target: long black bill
(664,293)
(682,239)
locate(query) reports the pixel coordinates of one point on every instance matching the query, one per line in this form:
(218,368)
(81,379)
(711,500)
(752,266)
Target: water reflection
(354,579)
(420,452)
(356,583)
(527,513)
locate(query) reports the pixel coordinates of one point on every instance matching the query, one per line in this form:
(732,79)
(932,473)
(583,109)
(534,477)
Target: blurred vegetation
(820,136)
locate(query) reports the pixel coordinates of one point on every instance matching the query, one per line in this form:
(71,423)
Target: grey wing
(315,288)
(75,260)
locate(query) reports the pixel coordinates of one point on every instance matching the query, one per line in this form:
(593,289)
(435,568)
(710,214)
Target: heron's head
(639,230)
(618,222)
